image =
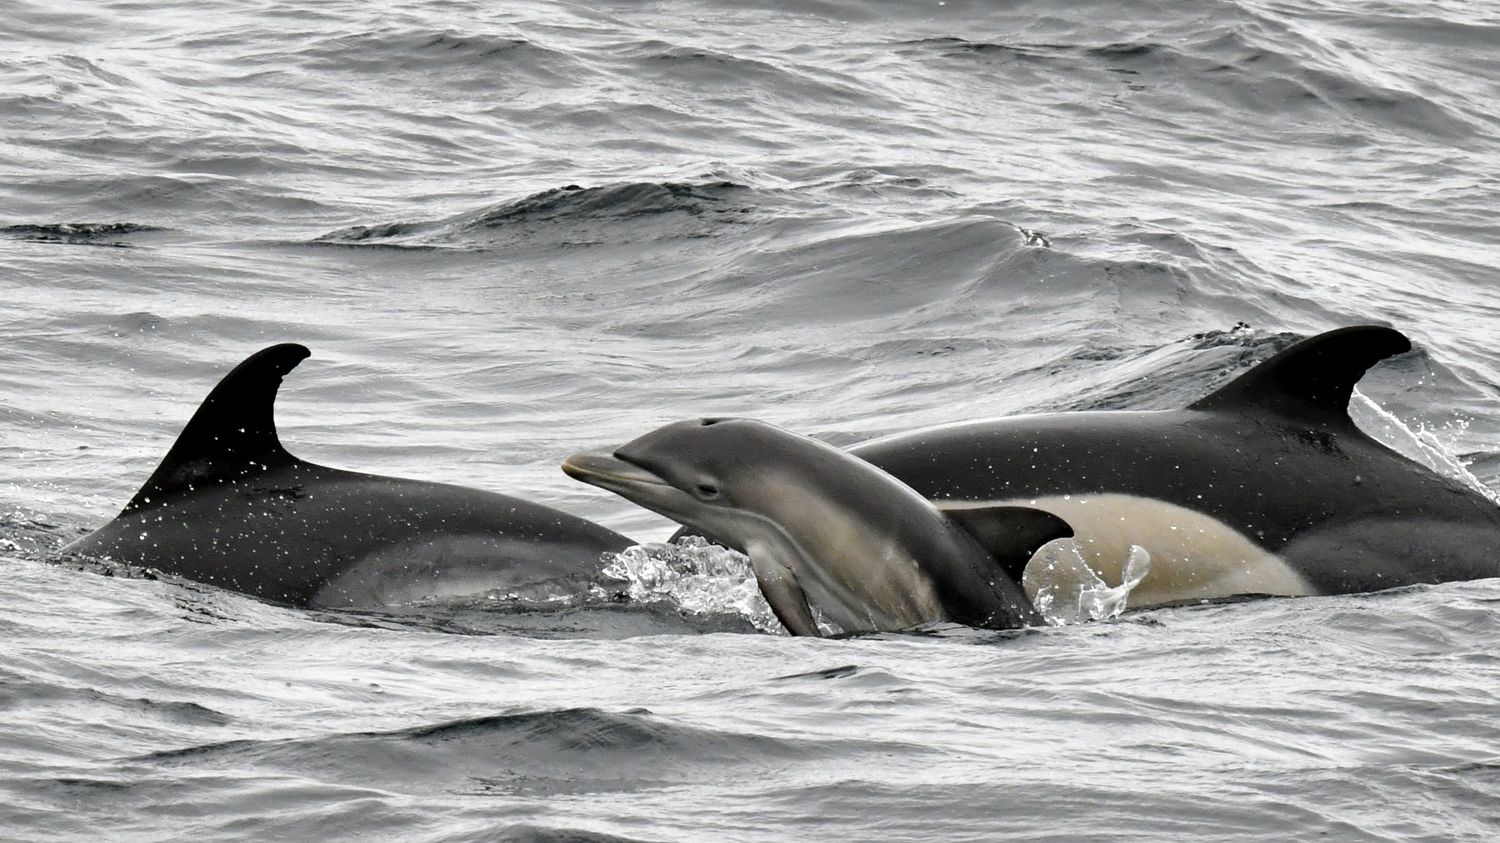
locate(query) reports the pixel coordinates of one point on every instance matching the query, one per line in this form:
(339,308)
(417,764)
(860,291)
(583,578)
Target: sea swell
(556,751)
(570,216)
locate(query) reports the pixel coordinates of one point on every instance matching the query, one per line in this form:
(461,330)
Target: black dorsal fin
(232,434)
(1010,533)
(1313,379)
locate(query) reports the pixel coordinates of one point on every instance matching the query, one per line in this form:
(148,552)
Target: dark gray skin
(826,529)
(230,507)
(1273,455)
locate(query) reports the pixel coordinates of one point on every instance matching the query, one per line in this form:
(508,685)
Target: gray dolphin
(825,528)
(1264,486)
(229,506)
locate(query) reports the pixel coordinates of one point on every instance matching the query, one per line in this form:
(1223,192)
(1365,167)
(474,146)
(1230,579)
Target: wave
(568,749)
(1175,374)
(78,233)
(453,59)
(20,689)
(1257,65)
(539,834)
(569,215)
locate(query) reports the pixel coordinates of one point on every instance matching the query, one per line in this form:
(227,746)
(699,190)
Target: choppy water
(510,232)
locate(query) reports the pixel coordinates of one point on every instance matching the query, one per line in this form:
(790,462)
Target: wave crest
(572,214)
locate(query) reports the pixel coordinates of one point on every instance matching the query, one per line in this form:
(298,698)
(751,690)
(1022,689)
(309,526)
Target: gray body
(229,506)
(1263,487)
(825,529)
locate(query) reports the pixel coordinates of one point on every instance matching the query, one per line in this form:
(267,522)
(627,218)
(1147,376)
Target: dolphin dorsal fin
(232,434)
(1010,533)
(1313,379)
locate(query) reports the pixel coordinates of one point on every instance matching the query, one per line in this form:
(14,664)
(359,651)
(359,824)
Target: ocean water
(510,232)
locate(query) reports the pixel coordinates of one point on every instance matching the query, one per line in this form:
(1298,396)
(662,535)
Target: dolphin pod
(1263,487)
(229,506)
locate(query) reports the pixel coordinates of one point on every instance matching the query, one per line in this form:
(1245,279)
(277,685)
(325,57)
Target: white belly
(1193,555)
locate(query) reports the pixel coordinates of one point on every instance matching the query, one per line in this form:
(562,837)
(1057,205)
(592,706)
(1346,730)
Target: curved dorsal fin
(1313,379)
(232,434)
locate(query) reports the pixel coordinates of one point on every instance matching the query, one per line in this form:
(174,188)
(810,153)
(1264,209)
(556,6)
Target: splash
(695,575)
(1066,590)
(1425,447)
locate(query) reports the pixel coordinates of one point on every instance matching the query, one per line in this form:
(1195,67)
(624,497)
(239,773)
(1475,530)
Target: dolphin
(823,528)
(1263,487)
(229,506)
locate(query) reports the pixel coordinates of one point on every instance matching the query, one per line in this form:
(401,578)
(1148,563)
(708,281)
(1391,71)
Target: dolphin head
(699,472)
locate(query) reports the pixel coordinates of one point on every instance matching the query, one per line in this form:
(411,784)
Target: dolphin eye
(708,491)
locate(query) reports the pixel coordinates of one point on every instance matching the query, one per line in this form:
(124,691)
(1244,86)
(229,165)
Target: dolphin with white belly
(825,529)
(1264,487)
(230,506)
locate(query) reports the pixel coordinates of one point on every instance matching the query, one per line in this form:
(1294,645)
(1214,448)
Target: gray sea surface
(511,232)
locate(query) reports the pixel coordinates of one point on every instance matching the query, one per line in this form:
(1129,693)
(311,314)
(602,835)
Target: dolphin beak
(609,472)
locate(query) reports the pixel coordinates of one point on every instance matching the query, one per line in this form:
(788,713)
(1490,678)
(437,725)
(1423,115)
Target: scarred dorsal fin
(232,435)
(1010,533)
(1313,379)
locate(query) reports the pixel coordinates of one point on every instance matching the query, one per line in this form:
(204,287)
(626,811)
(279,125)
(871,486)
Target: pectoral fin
(784,593)
(1010,533)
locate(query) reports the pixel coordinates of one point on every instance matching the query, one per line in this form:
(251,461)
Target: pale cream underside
(1193,556)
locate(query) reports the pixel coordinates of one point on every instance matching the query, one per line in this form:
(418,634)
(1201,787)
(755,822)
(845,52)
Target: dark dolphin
(1264,486)
(229,506)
